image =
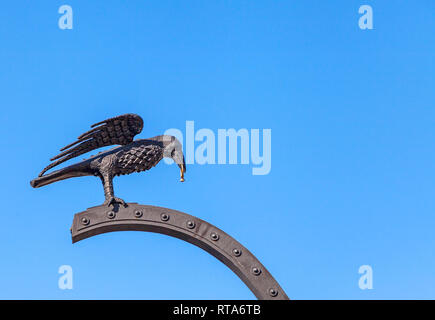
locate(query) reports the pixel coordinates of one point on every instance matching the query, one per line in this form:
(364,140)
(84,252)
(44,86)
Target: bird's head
(173,149)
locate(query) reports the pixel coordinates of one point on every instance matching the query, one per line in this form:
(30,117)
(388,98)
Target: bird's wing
(118,130)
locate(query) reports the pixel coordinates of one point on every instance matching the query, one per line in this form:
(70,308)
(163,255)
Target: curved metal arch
(136,217)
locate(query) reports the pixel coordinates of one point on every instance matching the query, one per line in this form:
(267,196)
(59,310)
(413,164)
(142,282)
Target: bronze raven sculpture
(132,156)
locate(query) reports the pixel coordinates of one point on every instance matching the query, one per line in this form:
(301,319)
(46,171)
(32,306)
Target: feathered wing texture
(118,130)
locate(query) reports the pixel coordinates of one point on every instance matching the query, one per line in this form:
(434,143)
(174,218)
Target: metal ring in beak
(181,175)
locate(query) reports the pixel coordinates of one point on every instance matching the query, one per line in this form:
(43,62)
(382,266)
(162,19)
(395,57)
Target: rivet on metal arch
(191,229)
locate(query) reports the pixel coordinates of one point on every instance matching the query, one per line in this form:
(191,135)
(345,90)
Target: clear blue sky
(353,144)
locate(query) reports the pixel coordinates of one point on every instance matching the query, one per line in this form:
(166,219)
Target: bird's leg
(109,194)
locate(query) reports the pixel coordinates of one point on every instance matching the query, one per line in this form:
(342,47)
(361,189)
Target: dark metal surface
(132,156)
(135,217)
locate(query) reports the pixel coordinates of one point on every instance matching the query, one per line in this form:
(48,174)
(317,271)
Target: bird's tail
(75,170)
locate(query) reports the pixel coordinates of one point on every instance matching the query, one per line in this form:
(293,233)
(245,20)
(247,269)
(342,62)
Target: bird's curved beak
(178,157)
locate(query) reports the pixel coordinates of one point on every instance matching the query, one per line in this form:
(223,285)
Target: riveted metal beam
(136,217)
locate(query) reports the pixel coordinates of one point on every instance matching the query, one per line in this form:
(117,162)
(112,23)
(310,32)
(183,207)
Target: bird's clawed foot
(113,201)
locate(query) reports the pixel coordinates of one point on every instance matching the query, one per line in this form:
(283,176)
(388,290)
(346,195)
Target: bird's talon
(113,200)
